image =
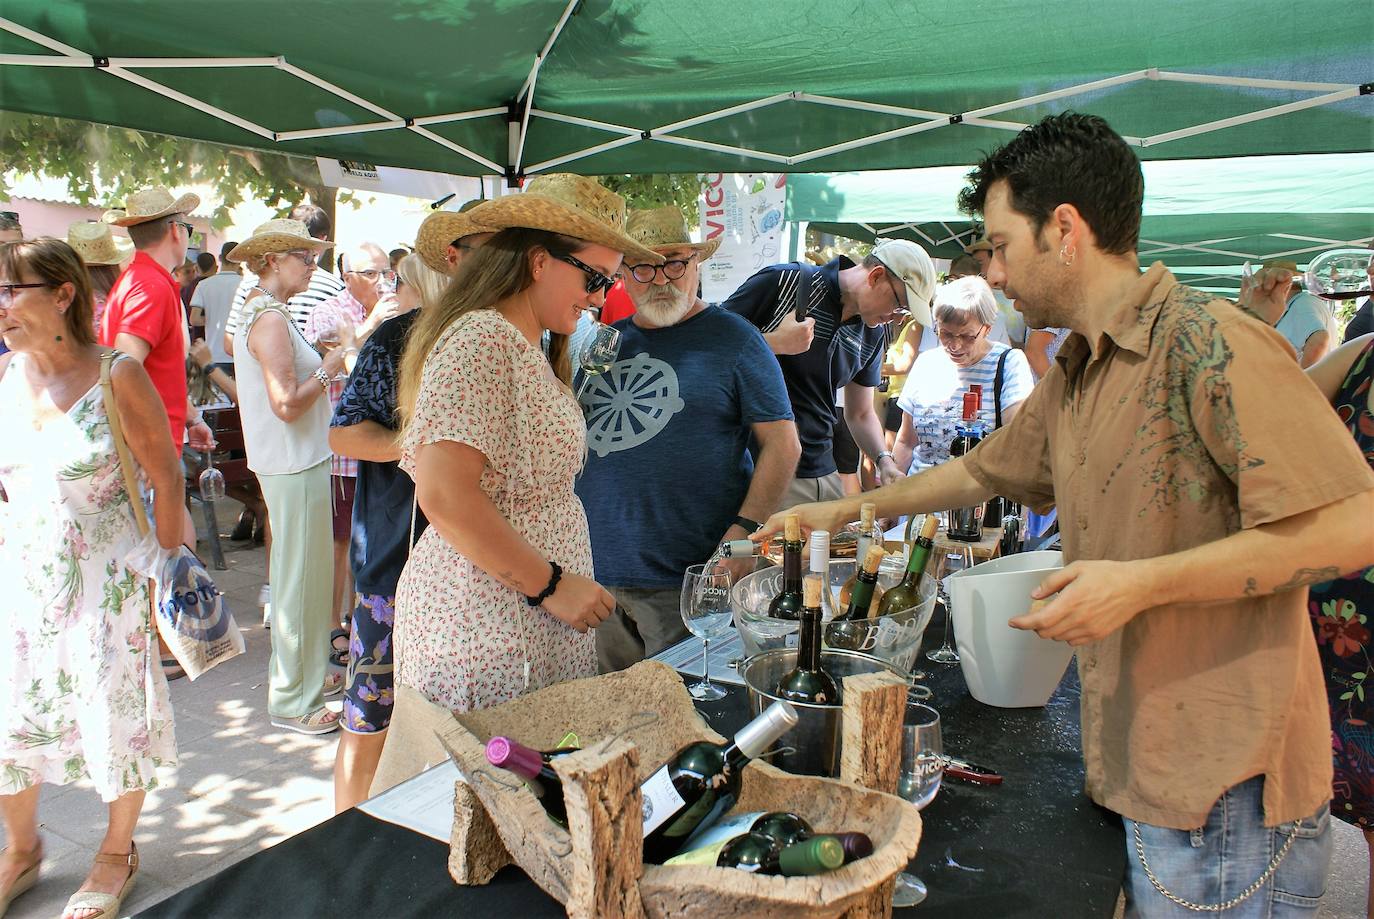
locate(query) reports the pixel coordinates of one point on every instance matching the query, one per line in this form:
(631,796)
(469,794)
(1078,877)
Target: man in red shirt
(143,315)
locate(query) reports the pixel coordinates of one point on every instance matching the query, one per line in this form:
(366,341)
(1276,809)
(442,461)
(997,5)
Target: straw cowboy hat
(664,228)
(151,203)
(283,235)
(440,229)
(572,205)
(97,245)
(981,245)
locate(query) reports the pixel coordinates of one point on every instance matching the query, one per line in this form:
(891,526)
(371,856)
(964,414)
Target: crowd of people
(453,504)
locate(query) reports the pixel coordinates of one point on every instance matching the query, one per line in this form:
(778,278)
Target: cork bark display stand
(629,723)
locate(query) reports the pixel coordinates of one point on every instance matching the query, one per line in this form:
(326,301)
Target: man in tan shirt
(1202,483)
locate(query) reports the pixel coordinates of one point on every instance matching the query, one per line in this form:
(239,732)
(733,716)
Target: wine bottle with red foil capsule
(533,767)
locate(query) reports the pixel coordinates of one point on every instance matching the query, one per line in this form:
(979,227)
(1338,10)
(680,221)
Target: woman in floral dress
(498,597)
(83,695)
(1341,611)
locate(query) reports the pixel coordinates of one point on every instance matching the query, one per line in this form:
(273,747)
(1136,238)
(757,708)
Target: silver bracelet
(323,377)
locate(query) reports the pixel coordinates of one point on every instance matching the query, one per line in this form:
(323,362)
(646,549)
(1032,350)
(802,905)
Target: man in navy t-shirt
(669,474)
(839,345)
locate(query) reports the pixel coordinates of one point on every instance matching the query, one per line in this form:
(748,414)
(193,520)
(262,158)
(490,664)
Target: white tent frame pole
(1171,76)
(205,107)
(875,107)
(478,158)
(587,123)
(1132,77)
(528,87)
(340,131)
(450,118)
(339,91)
(867,141)
(38,38)
(583,154)
(191,63)
(46,60)
(722,113)
(527,97)
(1248,118)
(722,148)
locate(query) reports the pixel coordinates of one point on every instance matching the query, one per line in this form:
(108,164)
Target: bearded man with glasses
(668,473)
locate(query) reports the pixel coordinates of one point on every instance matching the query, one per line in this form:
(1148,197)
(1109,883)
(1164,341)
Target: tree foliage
(101,164)
(681,190)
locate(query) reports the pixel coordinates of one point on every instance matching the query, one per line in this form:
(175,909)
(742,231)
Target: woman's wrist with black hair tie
(556,574)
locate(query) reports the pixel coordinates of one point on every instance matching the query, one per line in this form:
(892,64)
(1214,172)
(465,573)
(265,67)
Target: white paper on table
(422,803)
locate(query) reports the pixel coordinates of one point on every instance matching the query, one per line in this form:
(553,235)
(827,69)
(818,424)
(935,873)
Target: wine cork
(873,559)
(930,526)
(868,512)
(811,591)
(791,528)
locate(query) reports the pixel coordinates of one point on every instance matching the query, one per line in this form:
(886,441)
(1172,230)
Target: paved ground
(243,785)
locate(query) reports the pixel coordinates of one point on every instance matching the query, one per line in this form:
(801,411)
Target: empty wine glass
(918,780)
(598,354)
(948,559)
(706,613)
(211,483)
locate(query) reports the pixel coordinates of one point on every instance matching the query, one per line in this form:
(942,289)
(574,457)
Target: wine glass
(948,559)
(706,613)
(211,483)
(918,780)
(598,354)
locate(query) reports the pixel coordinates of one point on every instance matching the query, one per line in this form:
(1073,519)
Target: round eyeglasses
(672,270)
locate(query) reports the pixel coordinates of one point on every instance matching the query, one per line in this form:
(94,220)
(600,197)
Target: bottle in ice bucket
(808,683)
(966,523)
(533,767)
(788,603)
(907,593)
(869,535)
(863,600)
(818,565)
(702,781)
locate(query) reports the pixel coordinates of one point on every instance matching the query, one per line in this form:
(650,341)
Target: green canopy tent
(1203,218)
(519,87)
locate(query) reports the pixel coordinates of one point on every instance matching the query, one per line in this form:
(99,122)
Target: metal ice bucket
(813,746)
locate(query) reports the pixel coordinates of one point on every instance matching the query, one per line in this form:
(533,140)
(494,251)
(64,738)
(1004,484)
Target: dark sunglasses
(595,279)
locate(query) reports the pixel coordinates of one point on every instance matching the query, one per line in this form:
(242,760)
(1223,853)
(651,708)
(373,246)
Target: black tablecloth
(1034,846)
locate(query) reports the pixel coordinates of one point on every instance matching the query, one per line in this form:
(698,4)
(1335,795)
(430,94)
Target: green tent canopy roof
(1204,214)
(634,86)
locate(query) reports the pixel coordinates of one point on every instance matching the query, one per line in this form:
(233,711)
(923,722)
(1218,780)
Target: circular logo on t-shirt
(630,403)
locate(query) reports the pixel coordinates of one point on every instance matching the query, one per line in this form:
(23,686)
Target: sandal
(333,684)
(243,530)
(339,656)
(320,721)
(24,881)
(108,904)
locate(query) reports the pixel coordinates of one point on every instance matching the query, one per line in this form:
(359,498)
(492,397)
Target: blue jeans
(1225,857)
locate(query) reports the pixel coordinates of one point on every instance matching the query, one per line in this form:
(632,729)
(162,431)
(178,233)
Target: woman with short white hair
(932,399)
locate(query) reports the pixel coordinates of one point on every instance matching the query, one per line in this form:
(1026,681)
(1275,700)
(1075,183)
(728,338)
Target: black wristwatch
(749,526)
(554,578)
(207,369)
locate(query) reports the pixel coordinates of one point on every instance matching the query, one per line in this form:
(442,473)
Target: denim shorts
(1225,857)
(368,692)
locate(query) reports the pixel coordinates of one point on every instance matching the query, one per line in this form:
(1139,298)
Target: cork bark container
(629,723)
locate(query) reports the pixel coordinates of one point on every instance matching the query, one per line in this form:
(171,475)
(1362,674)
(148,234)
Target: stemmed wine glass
(706,613)
(211,482)
(918,780)
(598,354)
(949,559)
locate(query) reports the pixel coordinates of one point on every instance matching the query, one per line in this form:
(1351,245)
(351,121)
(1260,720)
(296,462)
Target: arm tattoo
(1304,576)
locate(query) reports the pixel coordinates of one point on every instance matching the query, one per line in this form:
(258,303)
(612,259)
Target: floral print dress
(81,695)
(462,638)
(1340,612)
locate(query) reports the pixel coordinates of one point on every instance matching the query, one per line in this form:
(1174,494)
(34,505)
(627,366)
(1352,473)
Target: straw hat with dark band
(664,229)
(152,203)
(97,245)
(283,235)
(443,228)
(572,205)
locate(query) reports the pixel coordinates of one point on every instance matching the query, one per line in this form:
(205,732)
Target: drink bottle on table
(758,853)
(864,598)
(702,781)
(788,603)
(907,592)
(869,535)
(534,767)
(808,683)
(966,523)
(818,565)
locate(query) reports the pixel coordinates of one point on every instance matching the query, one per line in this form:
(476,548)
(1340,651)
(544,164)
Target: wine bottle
(869,535)
(863,602)
(818,564)
(783,827)
(533,767)
(740,548)
(762,854)
(702,781)
(906,593)
(788,603)
(966,523)
(855,845)
(808,682)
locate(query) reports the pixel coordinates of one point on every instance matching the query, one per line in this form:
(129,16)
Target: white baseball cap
(910,262)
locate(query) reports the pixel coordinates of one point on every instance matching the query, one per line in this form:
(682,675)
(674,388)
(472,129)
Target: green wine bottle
(861,598)
(788,603)
(906,594)
(808,682)
(761,854)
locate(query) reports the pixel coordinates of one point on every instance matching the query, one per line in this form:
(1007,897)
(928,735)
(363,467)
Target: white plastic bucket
(1003,666)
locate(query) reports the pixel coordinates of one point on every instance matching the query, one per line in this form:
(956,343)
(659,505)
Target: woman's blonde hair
(428,283)
(500,269)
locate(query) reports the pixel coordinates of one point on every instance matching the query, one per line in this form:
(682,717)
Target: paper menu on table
(423,803)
